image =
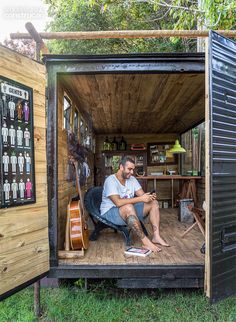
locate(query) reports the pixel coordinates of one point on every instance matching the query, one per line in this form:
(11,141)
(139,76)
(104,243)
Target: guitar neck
(78,186)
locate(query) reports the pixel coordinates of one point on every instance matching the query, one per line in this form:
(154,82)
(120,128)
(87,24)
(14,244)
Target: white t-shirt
(112,186)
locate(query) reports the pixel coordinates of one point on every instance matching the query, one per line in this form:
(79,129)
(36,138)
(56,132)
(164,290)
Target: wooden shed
(148,99)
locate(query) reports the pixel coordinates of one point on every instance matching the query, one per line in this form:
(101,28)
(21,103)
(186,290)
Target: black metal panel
(167,272)
(52,163)
(160,282)
(152,63)
(222,77)
(127,57)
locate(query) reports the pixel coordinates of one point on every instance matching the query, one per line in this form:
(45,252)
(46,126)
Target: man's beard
(125,175)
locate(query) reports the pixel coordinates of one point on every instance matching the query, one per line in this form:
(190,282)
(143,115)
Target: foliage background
(92,15)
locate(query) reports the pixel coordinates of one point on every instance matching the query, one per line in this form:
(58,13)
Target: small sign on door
(17,178)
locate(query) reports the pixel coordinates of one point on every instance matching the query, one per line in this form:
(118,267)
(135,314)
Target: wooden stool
(198,215)
(189,190)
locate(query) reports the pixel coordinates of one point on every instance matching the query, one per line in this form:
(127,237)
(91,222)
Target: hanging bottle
(114,144)
(122,144)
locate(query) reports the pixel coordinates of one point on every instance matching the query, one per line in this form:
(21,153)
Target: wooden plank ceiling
(139,103)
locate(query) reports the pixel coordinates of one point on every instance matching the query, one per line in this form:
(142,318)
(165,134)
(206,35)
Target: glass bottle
(122,144)
(106,144)
(114,144)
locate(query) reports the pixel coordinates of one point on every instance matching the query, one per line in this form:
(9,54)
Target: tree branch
(165,4)
(159,18)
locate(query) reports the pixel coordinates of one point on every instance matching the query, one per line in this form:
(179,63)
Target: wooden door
(220,167)
(24,244)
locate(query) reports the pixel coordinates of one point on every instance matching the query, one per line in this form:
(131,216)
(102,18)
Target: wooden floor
(110,246)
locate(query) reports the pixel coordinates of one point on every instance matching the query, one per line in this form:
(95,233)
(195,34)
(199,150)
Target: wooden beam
(115,34)
(40,45)
(70,254)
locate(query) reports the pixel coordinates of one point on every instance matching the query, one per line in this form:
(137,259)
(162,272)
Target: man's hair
(124,160)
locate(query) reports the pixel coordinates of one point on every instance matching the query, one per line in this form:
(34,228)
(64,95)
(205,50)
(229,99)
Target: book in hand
(137,251)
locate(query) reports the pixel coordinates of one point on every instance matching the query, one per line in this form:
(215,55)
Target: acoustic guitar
(79,234)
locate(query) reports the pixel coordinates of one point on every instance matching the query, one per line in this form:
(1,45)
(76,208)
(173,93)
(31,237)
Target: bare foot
(160,241)
(147,244)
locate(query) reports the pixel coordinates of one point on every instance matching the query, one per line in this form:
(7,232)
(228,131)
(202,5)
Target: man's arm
(139,192)
(119,202)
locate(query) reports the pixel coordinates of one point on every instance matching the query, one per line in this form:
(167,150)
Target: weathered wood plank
(116,34)
(24,230)
(128,103)
(110,246)
(16,274)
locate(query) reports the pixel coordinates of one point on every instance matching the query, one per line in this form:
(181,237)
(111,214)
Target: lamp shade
(177,148)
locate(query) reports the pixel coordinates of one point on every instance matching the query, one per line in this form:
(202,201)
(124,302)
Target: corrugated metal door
(221,197)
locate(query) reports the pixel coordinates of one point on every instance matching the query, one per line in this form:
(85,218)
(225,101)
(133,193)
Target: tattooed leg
(128,214)
(134,224)
(154,214)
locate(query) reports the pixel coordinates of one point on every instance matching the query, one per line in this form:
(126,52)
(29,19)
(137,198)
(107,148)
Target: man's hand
(147,197)
(119,202)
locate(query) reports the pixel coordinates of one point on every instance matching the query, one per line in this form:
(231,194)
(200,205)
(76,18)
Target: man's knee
(152,205)
(127,209)
(155,204)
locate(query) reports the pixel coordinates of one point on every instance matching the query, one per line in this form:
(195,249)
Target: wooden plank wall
(200,192)
(24,247)
(66,189)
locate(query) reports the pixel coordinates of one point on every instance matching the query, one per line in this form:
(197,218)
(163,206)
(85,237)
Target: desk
(189,189)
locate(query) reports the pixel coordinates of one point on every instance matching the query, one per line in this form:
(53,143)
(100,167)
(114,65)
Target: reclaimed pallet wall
(66,189)
(200,192)
(24,246)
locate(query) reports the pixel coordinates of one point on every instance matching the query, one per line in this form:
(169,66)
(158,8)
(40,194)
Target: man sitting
(120,206)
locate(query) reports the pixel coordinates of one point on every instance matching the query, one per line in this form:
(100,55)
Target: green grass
(103,302)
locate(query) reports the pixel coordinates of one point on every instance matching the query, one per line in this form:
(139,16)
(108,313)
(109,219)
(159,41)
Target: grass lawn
(103,302)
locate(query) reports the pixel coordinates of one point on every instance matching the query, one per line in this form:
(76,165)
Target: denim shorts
(113,214)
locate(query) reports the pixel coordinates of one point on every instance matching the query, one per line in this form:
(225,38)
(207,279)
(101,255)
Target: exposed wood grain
(109,248)
(67,189)
(24,247)
(115,34)
(70,254)
(139,103)
(35,35)
(16,272)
